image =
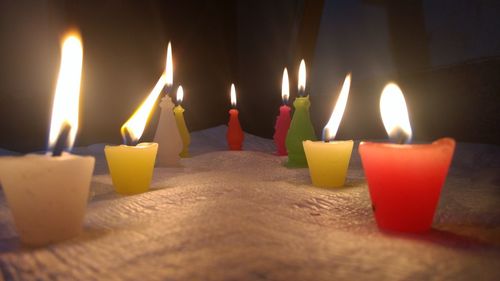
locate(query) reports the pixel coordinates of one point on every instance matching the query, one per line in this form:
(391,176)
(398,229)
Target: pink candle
(404,180)
(234,132)
(283,120)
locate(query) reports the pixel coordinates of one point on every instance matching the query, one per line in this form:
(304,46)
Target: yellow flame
(66,99)
(285,88)
(233,95)
(394,111)
(137,122)
(302,76)
(333,124)
(169,67)
(180,94)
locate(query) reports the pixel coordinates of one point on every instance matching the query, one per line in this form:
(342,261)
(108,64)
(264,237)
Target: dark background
(444,54)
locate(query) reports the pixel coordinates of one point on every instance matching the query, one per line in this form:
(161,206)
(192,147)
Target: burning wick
(326,134)
(62,139)
(127,138)
(399,136)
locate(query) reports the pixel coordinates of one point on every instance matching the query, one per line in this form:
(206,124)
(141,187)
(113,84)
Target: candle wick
(326,134)
(127,138)
(399,136)
(62,139)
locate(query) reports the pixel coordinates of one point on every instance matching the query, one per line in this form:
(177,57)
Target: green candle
(300,130)
(181,124)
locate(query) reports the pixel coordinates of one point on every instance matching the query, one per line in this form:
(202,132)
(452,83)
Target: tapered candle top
(302,79)
(395,114)
(233,96)
(285,88)
(64,123)
(134,127)
(169,67)
(180,95)
(331,128)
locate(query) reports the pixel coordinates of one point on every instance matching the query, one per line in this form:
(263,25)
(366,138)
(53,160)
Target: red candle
(283,120)
(234,133)
(404,180)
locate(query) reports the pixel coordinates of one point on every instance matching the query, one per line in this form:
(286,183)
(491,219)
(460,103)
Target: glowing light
(169,67)
(180,94)
(302,78)
(395,113)
(285,88)
(233,96)
(331,128)
(67,95)
(137,122)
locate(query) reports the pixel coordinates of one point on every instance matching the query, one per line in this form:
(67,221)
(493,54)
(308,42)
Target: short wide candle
(328,161)
(47,195)
(131,167)
(405,181)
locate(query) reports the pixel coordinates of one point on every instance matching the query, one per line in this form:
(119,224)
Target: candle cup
(131,167)
(328,161)
(405,182)
(47,195)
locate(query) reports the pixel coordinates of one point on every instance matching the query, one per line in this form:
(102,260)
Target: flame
(331,128)
(285,89)
(233,95)
(169,67)
(180,94)
(394,112)
(65,107)
(302,78)
(137,122)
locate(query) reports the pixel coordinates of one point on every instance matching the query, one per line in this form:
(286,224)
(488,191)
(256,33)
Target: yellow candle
(328,160)
(181,124)
(131,167)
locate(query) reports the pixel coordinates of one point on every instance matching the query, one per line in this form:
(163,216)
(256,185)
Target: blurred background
(444,54)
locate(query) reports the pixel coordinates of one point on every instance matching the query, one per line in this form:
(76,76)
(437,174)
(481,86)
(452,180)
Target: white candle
(167,134)
(47,194)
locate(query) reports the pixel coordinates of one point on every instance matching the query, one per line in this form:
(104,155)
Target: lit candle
(301,128)
(404,180)
(328,160)
(131,166)
(234,132)
(283,120)
(181,124)
(48,194)
(167,134)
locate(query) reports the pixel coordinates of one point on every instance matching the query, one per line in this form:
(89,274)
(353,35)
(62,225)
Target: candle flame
(67,95)
(169,67)
(180,94)
(285,88)
(137,122)
(331,128)
(395,113)
(233,96)
(302,78)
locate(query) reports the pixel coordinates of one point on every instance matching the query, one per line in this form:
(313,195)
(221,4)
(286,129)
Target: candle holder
(167,136)
(300,130)
(328,161)
(405,182)
(47,195)
(131,167)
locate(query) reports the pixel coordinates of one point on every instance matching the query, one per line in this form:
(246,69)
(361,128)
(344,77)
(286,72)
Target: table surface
(243,216)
